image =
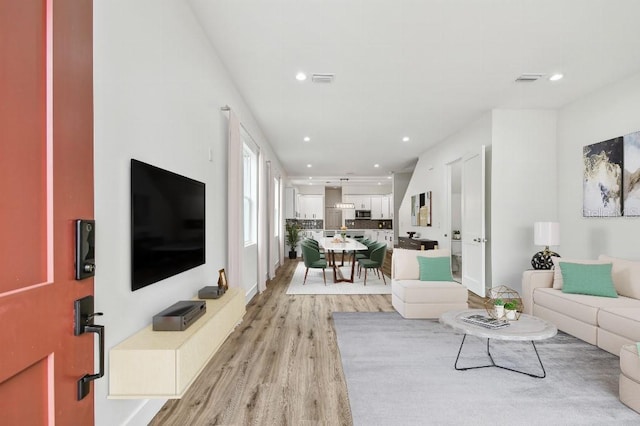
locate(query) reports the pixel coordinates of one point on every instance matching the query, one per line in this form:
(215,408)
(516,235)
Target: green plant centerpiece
(343,232)
(499,299)
(293,238)
(510,310)
(498,308)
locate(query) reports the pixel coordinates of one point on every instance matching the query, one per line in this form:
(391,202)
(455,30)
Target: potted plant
(510,310)
(293,238)
(498,306)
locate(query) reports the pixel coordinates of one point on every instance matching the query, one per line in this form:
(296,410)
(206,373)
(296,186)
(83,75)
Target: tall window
(276,207)
(250,192)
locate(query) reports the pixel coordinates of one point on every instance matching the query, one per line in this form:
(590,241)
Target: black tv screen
(167,224)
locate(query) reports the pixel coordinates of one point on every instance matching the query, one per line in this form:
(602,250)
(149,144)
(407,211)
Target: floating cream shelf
(163,364)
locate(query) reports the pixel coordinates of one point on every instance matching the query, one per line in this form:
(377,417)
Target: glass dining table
(336,244)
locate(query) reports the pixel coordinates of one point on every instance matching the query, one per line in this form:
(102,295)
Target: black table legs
(493,364)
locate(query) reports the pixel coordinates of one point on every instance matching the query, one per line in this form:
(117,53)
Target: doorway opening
(455,217)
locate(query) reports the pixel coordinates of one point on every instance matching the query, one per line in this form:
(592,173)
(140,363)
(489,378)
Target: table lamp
(545,234)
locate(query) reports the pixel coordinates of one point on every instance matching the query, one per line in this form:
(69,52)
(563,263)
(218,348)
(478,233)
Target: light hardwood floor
(281,365)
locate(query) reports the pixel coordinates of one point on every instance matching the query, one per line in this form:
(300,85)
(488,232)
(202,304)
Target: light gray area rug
(315,284)
(400,372)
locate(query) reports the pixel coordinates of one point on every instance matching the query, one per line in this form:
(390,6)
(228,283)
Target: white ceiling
(420,68)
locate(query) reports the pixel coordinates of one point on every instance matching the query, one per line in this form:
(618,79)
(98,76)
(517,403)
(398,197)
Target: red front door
(46,181)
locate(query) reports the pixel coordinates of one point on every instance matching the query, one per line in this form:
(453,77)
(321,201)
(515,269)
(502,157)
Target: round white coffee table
(527,328)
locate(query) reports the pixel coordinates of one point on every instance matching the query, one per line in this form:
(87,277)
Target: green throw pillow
(594,280)
(435,268)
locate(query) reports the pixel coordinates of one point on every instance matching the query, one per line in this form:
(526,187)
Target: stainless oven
(363,214)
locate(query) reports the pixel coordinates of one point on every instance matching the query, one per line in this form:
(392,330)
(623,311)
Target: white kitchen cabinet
(316,234)
(311,207)
(389,239)
(380,207)
(361,202)
(348,214)
(375,235)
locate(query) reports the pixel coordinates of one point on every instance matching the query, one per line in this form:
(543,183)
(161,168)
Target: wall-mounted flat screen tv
(167,224)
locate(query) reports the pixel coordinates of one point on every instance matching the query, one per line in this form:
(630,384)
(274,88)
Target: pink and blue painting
(631,174)
(602,181)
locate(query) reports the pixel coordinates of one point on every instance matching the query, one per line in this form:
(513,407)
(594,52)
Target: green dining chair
(375,261)
(311,258)
(313,243)
(364,254)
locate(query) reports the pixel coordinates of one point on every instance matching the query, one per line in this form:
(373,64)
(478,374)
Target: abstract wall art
(421,209)
(631,174)
(602,180)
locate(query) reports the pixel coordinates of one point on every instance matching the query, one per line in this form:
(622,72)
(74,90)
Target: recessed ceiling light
(556,77)
(301,76)
(379,183)
(310,177)
(306,139)
(388,177)
(308,165)
(376,165)
(405,139)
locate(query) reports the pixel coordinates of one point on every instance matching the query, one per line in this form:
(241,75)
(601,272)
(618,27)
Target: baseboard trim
(145,412)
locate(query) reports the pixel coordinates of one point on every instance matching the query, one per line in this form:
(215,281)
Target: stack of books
(486,322)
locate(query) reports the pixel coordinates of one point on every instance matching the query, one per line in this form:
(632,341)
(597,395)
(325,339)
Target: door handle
(83,323)
(83,383)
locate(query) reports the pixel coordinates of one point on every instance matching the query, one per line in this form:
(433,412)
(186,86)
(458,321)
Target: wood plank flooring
(280,366)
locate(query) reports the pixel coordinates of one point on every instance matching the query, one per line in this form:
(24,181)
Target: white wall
(522,176)
(384,188)
(607,113)
(311,189)
(523,188)
(430,174)
(250,271)
(158,92)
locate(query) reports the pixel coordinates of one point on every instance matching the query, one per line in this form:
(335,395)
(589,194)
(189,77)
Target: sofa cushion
(624,322)
(626,276)
(587,279)
(435,268)
(405,262)
(557,273)
(415,291)
(579,306)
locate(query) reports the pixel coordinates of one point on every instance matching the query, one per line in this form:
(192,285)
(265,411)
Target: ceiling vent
(322,78)
(529,77)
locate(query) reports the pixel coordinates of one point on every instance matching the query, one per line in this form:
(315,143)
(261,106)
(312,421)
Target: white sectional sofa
(413,298)
(612,324)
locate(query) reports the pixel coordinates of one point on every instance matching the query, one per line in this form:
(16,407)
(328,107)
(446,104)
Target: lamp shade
(546,233)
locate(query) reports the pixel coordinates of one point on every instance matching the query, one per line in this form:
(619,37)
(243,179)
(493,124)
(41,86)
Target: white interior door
(473,221)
